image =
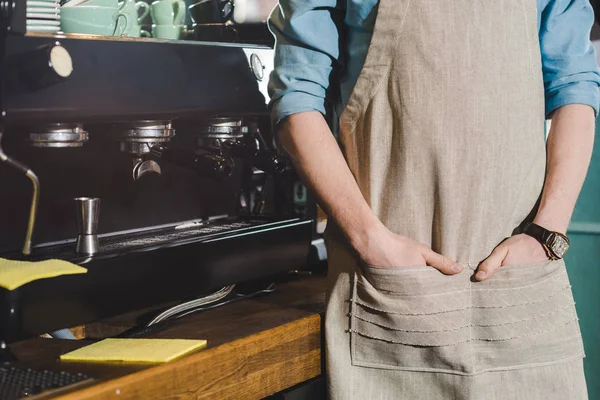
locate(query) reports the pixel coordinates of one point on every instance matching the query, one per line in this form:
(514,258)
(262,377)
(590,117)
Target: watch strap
(548,240)
(541,234)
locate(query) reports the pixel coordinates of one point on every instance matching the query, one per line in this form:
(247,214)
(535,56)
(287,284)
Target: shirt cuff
(293,103)
(578,93)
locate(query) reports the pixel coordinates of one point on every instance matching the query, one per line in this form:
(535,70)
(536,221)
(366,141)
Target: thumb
(488,267)
(440,262)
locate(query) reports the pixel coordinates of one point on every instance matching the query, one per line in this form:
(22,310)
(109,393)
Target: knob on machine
(45,66)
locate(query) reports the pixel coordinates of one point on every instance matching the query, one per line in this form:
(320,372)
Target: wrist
(551,224)
(364,233)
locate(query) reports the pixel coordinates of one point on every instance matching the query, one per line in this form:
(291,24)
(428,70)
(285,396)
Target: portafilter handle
(264,159)
(88,212)
(209,165)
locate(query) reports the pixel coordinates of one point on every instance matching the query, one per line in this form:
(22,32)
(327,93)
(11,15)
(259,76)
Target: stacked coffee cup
(132,9)
(168,17)
(104,17)
(94,17)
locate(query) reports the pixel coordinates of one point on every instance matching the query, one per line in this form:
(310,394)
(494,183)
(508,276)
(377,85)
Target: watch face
(559,245)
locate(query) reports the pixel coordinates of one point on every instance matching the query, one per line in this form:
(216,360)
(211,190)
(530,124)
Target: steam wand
(35,198)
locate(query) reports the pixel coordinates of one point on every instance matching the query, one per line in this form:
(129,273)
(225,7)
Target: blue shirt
(308,52)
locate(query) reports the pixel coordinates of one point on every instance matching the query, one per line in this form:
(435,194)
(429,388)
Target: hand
(516,250)
(385,249)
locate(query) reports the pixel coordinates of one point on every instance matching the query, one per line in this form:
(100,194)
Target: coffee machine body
(175,142)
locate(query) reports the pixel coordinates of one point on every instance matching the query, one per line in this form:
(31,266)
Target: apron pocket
(410,319)
(422,320)
(524,316)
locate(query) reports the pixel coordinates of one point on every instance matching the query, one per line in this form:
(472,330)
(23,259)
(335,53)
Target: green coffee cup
(94,20)
(168,12)
(172,32)
(132,9)
(137,31)
(180,10)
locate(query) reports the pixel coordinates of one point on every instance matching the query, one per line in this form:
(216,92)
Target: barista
(444,194)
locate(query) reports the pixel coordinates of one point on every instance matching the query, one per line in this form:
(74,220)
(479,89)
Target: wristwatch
(556,244)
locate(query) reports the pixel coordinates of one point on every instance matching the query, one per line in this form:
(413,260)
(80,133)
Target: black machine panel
(128,79)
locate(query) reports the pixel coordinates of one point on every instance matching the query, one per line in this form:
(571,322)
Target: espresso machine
(150,163)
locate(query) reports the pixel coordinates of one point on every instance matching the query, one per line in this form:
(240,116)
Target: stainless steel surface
(143,167)
(87,211)
(189,305)
(87,244)
(122,243)
(214,132)
(34,197)
(140,136)
(58,136)
(221,128)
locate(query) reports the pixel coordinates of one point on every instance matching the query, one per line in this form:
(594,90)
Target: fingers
(440,262)
(490,265)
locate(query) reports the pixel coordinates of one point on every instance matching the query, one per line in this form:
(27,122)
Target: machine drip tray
(177,235)
(17,383)
(121,243)
(139,269)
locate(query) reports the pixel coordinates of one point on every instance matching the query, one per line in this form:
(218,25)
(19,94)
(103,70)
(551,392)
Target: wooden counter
(256,347)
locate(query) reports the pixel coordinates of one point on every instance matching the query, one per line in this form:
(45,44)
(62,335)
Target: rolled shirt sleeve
(307,41)
(570,70)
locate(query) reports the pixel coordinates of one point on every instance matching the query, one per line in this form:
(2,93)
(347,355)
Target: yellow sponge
(14,274)
(134,350)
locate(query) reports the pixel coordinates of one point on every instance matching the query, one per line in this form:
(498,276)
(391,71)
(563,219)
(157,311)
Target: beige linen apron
(444,135)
